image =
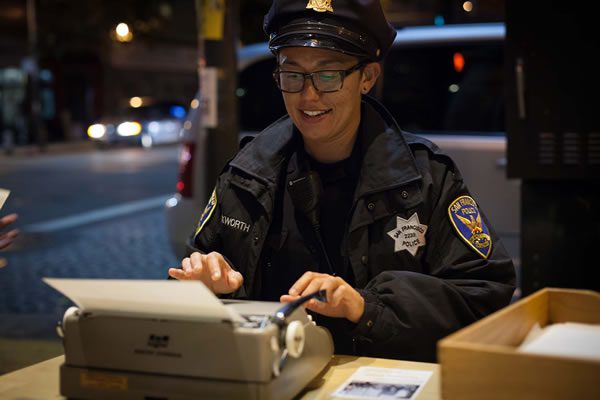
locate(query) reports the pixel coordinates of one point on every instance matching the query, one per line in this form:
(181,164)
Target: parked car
(147,124)
(442,82)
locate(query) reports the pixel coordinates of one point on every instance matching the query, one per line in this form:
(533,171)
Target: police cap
(355,27)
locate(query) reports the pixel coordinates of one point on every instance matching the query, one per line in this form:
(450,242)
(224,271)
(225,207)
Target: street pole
(218,27)
(34,109)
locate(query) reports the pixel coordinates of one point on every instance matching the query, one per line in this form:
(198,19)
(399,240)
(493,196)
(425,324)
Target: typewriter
(151,339)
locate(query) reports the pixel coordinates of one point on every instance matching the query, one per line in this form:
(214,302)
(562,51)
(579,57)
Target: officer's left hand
(343,301)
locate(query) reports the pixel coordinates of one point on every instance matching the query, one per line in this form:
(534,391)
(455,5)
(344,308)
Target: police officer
(335,196)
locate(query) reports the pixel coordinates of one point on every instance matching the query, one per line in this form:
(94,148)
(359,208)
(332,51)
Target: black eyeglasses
(324,81)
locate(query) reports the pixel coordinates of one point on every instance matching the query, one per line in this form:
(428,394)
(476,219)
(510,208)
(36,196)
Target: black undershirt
(339,181)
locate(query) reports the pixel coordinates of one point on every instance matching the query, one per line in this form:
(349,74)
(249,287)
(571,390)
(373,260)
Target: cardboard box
(481,361)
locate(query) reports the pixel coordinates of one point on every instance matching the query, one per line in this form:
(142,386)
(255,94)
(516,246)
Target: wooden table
(40,381)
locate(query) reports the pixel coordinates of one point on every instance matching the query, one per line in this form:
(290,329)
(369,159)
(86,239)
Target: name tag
(235,223)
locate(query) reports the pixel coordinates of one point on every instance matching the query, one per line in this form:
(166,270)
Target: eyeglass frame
(343,72)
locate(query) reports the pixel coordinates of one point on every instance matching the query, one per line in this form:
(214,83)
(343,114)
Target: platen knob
(294,339)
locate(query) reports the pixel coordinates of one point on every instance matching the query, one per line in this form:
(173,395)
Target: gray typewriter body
(128,357)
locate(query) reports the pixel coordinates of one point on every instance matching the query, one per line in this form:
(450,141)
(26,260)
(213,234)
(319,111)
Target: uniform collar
(266,155)
(383,140)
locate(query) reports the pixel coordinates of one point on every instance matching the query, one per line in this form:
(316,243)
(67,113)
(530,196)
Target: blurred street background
(86,213)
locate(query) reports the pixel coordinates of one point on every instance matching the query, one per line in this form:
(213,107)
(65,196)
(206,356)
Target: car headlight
(129,128)
(154,127)
(96,131)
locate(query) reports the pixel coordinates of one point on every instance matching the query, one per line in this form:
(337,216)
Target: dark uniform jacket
(421,278)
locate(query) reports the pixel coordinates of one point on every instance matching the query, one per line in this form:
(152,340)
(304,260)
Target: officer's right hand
(211,269)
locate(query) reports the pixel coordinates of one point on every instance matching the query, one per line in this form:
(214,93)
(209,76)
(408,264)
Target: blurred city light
(96,131)
(129,128)
(136,102)
(468,6)
(459,62)
(453,88)
(194,104)
(177,111)
(146,141)
(153,127)
(123,32)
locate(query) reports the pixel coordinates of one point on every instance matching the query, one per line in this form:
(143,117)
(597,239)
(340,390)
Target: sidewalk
(51,148)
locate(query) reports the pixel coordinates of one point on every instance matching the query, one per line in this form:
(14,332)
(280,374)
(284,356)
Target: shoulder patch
(208,211)
(469,225)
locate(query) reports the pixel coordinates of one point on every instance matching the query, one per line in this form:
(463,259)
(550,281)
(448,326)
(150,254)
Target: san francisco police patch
(208,211)
(467,220)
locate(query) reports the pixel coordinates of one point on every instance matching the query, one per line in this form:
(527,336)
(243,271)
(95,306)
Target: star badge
(409,234)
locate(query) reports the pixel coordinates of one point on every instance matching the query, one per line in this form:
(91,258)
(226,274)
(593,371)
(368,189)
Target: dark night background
(85,73)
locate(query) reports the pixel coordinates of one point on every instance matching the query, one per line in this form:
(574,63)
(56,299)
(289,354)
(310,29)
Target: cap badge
(320,5)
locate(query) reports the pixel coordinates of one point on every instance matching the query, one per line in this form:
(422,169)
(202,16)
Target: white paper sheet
(3,196)
(567,339)
(383,383)
(168,299)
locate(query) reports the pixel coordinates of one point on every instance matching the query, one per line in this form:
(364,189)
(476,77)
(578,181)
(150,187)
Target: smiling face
(328,122)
